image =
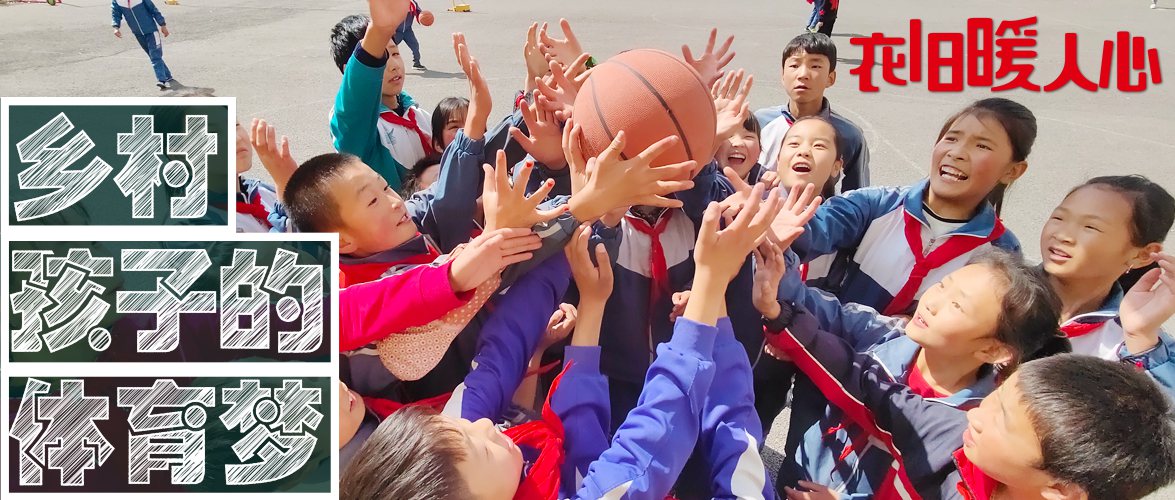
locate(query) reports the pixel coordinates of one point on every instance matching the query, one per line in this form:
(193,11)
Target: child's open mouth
(952,174)
(736,159)
(1058,256)
(920,321)
(801,168)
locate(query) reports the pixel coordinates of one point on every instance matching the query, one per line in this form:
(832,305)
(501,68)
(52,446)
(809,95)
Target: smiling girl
(900,240)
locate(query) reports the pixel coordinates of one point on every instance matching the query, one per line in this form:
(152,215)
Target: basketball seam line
(600,115)
(680,133)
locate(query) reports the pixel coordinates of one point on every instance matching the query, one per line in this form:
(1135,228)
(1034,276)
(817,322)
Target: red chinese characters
(1000,57)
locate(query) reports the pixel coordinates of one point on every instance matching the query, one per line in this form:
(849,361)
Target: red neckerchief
(924,263)
(657,266)
(353,274)
(974,484)
(545,435)
(408,121)
(254,208)
(1074,330)
(384,407)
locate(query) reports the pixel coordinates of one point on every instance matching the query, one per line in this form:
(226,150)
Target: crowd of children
(921,355)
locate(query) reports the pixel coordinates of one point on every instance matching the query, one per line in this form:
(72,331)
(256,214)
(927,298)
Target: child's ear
(1063,491)
(996,352)
(1144,256)
(1015,172)
(346,244)
(832,78)
(838,167)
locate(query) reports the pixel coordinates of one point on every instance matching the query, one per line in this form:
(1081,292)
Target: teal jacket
(353,123)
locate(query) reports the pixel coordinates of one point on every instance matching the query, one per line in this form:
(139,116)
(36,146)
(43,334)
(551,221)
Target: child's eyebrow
(950,280)
(1004,410)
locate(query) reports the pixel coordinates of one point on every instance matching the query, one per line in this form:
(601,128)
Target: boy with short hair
(373,118)
(142,16)
(1062,427)
(809,68)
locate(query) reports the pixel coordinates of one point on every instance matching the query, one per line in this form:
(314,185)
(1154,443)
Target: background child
(970,331)
(146,23)
(373,118)
(423,174)
(447,118)
(1064,426)
(405,34)
(901,240)
(741,152)
(255,199)
(809,68)
(1102,229)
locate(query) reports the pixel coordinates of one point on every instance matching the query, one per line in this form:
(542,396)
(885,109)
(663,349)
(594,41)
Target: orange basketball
(426,18)
(650,95)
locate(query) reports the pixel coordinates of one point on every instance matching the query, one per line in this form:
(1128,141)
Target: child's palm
(388,14)
(1151,301)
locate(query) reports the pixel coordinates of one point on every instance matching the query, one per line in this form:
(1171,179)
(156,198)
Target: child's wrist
(1140,342)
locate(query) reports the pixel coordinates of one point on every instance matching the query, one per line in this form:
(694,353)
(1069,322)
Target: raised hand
(275,156)
(480,102)
(488,254)
(710,64)
(536,64)
(506,205)
(719,254)
(594,282)
(560,87)
(730,103)
(1148,304)
(769,271)
(680,300)
(545,142)
(560,325)
(797,210)
(386,15)
(565,50)
(612,183)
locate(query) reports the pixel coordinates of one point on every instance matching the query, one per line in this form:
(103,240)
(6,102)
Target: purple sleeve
(652,445)
(731,431)
(507,341)
(582,404)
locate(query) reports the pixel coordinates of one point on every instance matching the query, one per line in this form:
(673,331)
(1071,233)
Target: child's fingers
(674,172)
(615,148)
(520,244)
(270,138)
(750,209)
(546,215)
(657,148)
(667,187)
(659,201)
(689,55)
(574,67)
(286,147)
(532,34)
(710,42)
(736,180)
(604,264)
(541,193)
(510,260)
(500,175)
(709,224)
(566,26)
(522,138)
(489,185)
(725,49)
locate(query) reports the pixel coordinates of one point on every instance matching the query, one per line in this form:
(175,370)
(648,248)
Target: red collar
(974,484)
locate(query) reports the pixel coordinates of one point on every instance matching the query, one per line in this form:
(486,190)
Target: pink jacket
(418,296)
